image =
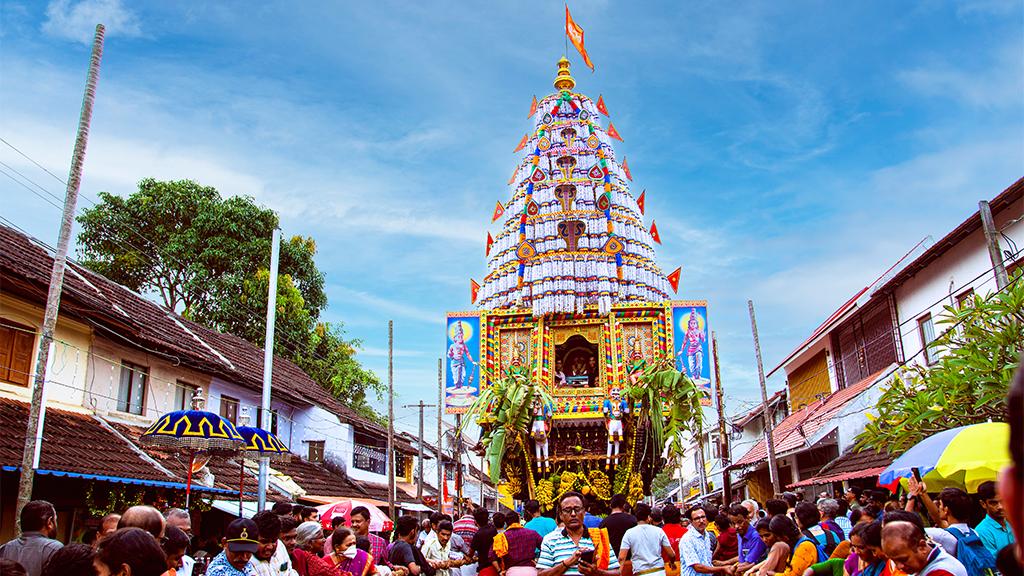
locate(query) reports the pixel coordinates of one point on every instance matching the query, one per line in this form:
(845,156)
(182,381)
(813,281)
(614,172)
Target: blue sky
(791,151)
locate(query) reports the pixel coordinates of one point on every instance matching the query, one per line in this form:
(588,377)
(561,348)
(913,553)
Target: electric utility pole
(440,433)
(37,409)
(419,485)
(992,240)
(723,438)
(391,418)
(268,363)
(769,440)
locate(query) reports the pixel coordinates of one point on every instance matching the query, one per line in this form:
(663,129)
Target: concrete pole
(391,418)
(37,409)
(268,363)
(992,240)
(725,455)
(773,466)
(440,434)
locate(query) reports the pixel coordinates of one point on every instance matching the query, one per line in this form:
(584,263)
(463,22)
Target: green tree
(208,258)
(979,350)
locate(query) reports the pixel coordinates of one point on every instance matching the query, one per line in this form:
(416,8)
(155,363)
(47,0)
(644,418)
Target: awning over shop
(414,507)
(249,508)
(122,480)
(850,466)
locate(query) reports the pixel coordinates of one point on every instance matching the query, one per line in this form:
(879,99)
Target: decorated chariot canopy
(573,234)
(577,364)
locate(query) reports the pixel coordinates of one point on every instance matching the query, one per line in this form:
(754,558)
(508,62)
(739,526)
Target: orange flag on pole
(613,133)
(625,168)
(601,107)
(654,232)
(533,107)
(474,288)
(575,34)
(673,279)
(522,143)
(642,200)
(499,211)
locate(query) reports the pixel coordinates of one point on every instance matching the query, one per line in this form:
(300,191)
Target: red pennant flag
(513,177)
(575,34)
(654,232)
(601,106)
(522,143)
(613,133)
(673,279)
(490,241)
(499,211)
(625,168)
(642,200)
(533,107)
(474,289)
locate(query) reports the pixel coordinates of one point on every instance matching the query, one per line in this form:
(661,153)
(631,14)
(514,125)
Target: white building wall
(953,273)
(67,370)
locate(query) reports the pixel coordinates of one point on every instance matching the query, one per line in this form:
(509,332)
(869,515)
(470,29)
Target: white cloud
(418,313)
(995,86)
(78,21)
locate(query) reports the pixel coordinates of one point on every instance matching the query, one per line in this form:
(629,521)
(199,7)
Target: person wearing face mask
(130,552)
(241,540)
(346,557)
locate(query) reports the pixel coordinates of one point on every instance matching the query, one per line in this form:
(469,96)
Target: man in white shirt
(271,558)
(695,547)
(648,544)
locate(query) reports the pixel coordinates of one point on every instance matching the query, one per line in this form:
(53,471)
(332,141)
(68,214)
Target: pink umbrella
(379,521)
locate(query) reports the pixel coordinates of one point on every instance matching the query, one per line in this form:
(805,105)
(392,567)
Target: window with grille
(229,408)
(17,343)
(131,394)
(273,421)
(316,450)
(370,458)
(926,328)
(865,344)
(183,394)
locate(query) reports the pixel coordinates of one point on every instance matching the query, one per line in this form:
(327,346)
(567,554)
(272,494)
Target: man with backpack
(809,520)
(955,509)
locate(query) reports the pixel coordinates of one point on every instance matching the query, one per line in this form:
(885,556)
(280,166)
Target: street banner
(690,323)
(462,360)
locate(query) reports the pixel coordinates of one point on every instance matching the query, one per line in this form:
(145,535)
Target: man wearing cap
(241,540)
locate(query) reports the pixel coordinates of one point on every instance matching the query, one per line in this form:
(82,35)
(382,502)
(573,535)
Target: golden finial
(563,80)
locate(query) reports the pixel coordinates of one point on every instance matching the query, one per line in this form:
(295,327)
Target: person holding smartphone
(575,549)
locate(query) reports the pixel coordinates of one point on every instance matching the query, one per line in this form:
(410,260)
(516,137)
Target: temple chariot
(574,319)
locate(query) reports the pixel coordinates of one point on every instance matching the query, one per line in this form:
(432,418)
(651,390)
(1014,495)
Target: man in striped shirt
(561,551)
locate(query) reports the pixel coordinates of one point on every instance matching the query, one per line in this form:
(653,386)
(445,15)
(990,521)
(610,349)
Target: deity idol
(615,408)
(693,347)
(541,413)
(637,364)
(458,354)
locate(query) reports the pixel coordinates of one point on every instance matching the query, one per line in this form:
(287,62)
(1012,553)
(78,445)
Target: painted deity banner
(692,353)
(462,359)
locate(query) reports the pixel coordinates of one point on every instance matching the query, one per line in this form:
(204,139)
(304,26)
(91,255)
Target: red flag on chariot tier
(642,200)
(575,34)
(601,106)
(673,279)
(654,232)
(613,133)
(490,241)
(533,107)
(474,289)
(522,143)
(499,211)
(625,168)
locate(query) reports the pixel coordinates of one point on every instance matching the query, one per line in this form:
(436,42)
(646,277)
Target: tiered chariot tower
(574,299)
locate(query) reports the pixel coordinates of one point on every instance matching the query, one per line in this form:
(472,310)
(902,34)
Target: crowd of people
(861,533)
(864,533)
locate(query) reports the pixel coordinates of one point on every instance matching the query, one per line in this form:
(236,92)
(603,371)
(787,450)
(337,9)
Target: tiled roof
(794,432)
(1004,200)
(70,442)
(850,466)
(745,419)
(25,266)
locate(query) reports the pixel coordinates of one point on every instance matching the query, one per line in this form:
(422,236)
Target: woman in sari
(309,538)
(346,557)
